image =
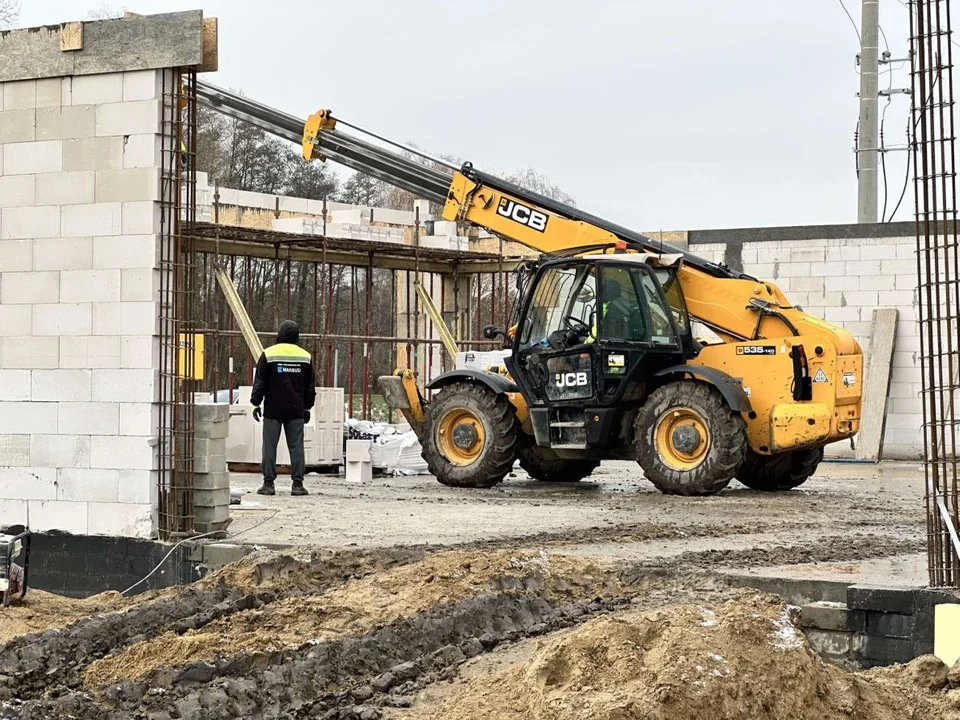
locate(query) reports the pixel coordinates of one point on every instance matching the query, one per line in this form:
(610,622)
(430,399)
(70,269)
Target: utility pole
(869,104)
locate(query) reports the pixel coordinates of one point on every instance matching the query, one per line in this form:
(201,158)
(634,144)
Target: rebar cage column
(938,276)
(177,311)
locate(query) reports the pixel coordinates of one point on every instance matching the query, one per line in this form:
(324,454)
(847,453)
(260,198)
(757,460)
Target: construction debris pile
(370,634)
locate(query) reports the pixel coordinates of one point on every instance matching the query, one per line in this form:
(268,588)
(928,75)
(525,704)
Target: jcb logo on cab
(572,379)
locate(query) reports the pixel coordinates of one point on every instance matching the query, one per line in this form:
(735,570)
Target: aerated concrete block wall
(79,292)
(80,162)
(842,274)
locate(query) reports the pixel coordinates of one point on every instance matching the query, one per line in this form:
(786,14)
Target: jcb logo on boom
(572,380)
(522,214)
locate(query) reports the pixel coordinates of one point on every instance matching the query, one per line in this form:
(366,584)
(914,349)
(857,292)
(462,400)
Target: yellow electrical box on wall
(196,371)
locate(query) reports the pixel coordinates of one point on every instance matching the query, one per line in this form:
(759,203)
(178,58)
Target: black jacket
(285,382)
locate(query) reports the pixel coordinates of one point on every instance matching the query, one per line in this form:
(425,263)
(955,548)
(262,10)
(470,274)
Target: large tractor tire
(471,436)
(543,464)
(688,440)
(783,471)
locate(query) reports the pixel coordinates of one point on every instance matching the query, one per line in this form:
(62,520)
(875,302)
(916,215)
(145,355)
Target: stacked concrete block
(843,281)
(211,481)
(79,278)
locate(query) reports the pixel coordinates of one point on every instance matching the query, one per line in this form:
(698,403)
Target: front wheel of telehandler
(471,436)
(688,440)
(783,471)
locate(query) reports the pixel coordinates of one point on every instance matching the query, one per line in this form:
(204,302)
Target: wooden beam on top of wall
(211,46)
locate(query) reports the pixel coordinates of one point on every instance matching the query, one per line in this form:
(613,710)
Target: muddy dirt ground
(402,599)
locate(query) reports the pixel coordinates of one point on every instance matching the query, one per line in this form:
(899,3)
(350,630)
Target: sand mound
(745,659)
(40,611)
(358,606)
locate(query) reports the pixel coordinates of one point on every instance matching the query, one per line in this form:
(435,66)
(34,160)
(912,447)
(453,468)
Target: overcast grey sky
(682,115)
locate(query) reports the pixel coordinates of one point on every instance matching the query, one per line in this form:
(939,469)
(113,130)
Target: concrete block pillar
(80,138)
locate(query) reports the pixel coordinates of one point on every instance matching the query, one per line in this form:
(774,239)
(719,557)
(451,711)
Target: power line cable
(852,21)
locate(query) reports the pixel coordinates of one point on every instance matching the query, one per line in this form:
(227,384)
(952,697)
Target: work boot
(298,489)
(266,489)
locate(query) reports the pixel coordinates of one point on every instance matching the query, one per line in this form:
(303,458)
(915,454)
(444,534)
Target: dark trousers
(293,431)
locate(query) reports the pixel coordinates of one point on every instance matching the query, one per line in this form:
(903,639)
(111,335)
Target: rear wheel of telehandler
(783,471)
(688,440)
(543,464)
(471,436)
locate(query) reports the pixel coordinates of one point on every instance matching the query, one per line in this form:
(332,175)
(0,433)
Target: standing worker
(285,384)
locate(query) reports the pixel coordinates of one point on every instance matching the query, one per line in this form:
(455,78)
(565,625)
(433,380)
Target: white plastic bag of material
(395,449)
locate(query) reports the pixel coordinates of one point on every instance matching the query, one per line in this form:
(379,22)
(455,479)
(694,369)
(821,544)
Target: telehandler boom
(603,362)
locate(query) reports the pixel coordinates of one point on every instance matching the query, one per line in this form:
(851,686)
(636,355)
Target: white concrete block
(906,389)
(86,418)
(13,512)
(139,418)
(124,386)
(61,385)
(293,204)
(48,92)
(98,89)
(139,352)
(862,298)
(907,252)
(121,520)
(905,281)
(863,267)
(26,158)
(63,254)
(70,517)
(22,288)
(842,314)
(908,328)
(92,219)
(140,285)
(142,151)
(898,267)
(905,406)
(30,222)
(63,319)
(16,255)
(130,318)
(65,123)
(806,254)
(906,359)
(896,298)
(842,283)
(28,483)
(141,85)
(141,218)
(138,486)
(16,191)
(18,126)
(830,268)
(126,251)
(807,284)
(27,418)
(20,95)
(96,286)
(794,269)
(93,153)
(14,385)
(909,343)
(29,352)
(122,453)
(90,351)
(128,185)
(60,451)
(128,118)
(88,485)
(887,251)
(14,451)
(875,282)
(69,188)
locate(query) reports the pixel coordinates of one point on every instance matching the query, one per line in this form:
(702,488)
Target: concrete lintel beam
(137,43)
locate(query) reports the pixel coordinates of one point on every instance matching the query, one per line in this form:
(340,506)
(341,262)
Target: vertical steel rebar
(938,276)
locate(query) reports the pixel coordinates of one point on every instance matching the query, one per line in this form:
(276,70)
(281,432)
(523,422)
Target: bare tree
(9,12)
(106,12)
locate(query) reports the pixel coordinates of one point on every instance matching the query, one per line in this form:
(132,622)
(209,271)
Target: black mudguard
(731,389)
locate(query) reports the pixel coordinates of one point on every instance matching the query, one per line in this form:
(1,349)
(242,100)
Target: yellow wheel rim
(460,436)
(682,438)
